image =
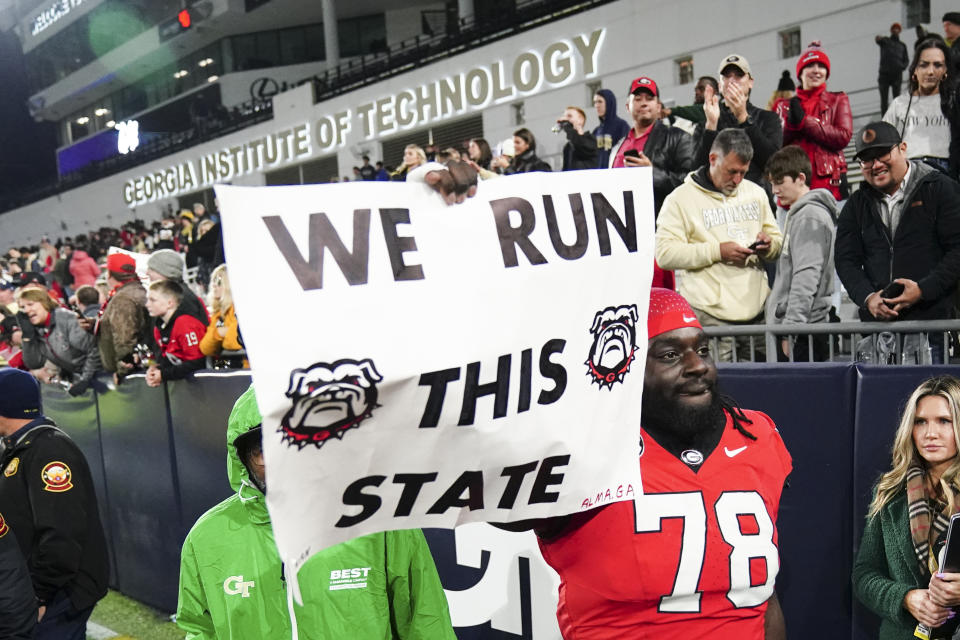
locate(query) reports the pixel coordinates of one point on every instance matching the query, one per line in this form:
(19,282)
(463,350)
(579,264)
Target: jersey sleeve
(186,336)
(182,355)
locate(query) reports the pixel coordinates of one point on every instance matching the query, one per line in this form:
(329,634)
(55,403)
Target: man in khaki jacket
(715,230)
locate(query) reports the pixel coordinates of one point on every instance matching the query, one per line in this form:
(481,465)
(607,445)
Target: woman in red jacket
(819,121)
(84,269)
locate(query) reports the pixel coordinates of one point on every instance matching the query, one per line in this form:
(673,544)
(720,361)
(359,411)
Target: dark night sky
(26,148)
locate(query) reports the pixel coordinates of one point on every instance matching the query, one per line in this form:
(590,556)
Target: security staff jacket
(18,607)
(48,501)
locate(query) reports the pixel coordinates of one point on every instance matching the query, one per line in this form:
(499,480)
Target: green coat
(377,587)
(886,568)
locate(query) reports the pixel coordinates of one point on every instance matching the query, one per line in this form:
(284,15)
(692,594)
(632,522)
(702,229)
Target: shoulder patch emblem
(56,477)
(12,467)
(3,526)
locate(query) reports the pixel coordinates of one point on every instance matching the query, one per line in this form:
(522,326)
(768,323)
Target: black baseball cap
(32,277)
(876,135)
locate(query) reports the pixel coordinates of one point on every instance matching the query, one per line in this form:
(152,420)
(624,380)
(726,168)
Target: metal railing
(760,341)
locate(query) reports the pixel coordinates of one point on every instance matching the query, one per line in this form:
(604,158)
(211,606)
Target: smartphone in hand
(892,290)
(633,153)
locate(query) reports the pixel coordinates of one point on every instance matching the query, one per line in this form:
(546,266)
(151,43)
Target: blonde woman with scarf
(896,573)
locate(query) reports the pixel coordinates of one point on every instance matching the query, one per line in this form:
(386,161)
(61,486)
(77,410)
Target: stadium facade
(155,102)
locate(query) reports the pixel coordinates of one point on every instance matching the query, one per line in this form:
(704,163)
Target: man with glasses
(901,228)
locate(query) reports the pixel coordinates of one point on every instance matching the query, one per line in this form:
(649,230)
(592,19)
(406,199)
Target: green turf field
(132,620)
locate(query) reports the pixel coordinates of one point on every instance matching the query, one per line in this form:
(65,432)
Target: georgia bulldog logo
(329,399)
(614,344)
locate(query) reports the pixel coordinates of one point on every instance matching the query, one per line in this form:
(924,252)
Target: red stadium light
(184,18)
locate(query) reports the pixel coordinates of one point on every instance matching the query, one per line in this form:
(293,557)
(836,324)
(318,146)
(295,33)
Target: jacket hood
(820,197)
(79,254)
(701,179)
(244,417)
(611,100)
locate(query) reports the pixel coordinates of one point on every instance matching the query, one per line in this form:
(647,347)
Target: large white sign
(424,365)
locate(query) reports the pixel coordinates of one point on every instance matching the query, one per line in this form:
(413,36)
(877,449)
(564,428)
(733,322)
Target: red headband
(668,311)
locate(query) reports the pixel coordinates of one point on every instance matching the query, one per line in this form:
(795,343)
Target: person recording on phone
(580,151)
(896,573)
(903,229)
(717,229)
(650,143)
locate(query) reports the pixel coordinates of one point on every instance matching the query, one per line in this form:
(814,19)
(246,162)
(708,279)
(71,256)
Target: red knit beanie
(668,311)
(811,55)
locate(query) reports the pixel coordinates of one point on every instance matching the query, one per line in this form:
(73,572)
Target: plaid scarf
(922,501)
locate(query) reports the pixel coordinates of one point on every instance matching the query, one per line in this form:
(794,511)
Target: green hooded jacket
(377,587)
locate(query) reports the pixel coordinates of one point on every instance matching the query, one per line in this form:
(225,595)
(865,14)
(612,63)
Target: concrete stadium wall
(641,38)
(158,457)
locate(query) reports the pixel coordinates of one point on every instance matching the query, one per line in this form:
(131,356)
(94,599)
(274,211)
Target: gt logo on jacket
(236,585)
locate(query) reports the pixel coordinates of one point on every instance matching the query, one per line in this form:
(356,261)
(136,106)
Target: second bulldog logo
(329,399)
(614,343)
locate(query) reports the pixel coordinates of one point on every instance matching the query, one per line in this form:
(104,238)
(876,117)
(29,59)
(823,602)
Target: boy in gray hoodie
(804,283)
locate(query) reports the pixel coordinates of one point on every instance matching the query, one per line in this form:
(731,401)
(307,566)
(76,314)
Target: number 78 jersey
(696,553)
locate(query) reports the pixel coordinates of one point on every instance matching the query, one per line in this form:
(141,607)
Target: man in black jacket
(580,151)
(732,108)
(951,35)
(50,506)
(18,605)
(893,60)
(902,226)
(650,143)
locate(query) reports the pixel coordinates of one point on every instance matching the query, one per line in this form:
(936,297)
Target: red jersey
(694,556)
(180,340)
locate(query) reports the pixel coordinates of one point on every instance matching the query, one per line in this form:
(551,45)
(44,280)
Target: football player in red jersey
(696,554)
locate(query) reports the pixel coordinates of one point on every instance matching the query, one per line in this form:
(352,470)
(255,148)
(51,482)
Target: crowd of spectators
(74,307)
(727,252)
(752,199)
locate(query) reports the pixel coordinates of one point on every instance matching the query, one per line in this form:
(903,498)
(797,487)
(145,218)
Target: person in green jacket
(896,572)
(232,584)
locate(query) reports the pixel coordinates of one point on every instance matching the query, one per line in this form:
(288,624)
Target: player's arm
(774,626)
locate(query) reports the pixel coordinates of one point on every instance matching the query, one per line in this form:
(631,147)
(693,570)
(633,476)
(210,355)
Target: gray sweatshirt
(804,283)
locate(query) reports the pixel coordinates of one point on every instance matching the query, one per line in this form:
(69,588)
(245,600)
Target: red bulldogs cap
(668,311)
(645,84)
